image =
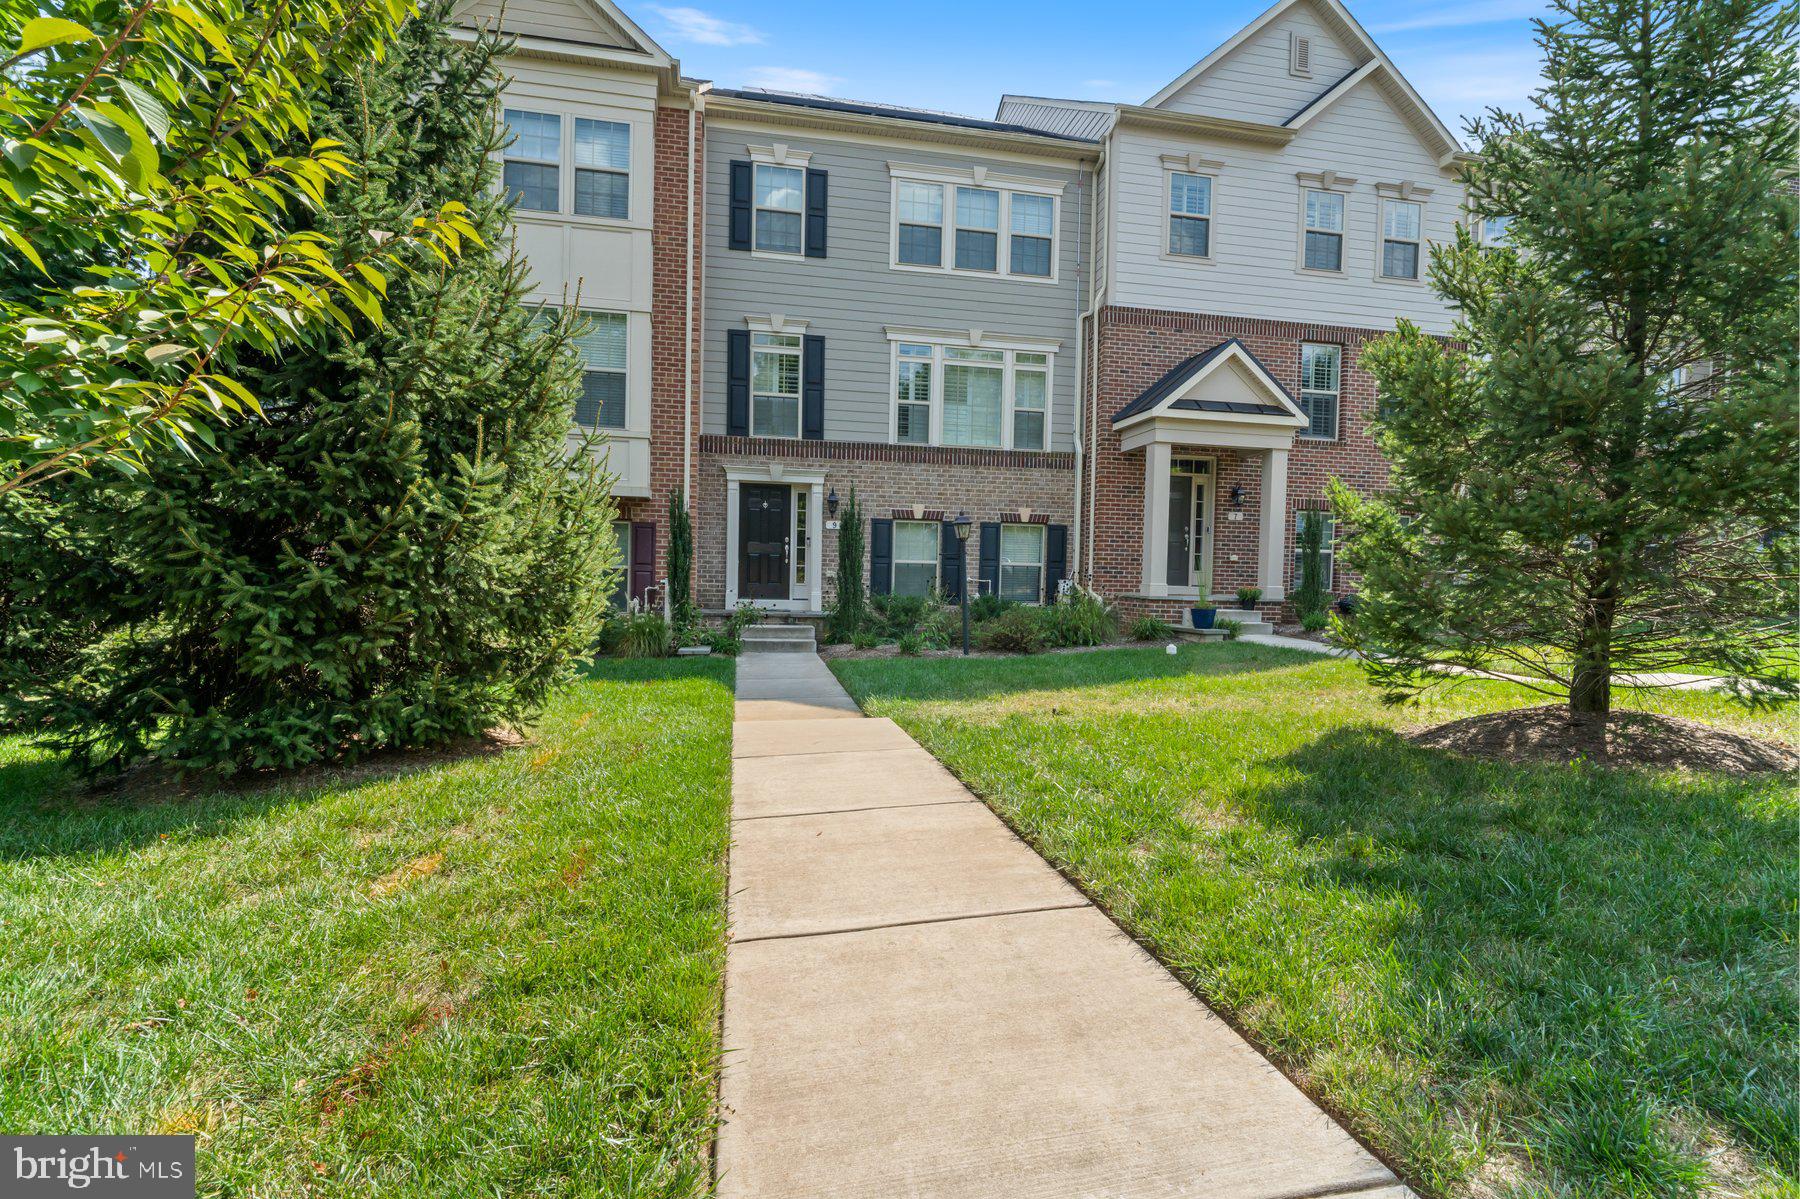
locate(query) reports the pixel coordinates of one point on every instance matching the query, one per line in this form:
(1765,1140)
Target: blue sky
(960,55)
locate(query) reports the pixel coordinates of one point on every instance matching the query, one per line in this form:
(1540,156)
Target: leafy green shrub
(897,615)
(911,644)
(1080,618)
(1148,628)
(1249,597)
(1315,622)
(942,627)
(643,633)
(864,639)
(1017,630)
(987,606)
(1231,628)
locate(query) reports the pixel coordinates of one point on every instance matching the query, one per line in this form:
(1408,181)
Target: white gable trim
(1234,352)
(1339,17)
(1333,94)
(613,13)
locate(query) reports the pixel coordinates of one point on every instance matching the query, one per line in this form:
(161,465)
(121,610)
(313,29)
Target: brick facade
(1136,347)
(889,480)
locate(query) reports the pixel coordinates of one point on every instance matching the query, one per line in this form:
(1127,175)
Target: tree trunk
(1590,691)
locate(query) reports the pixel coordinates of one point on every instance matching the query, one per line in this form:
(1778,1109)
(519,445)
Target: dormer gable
(596,25)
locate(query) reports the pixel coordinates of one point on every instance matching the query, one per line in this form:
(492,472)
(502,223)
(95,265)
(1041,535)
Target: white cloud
(791,79)
(690,24)
(1448,16)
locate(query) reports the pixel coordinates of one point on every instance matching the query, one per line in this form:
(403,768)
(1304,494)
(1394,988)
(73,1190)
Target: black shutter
(816,187)
(740,206)
(1056,559)
(737,382)
(881,557)
(990,558)
(812,388)
(950,563)
(643,557)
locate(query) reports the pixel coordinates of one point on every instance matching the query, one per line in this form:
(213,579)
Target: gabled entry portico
(1223,402)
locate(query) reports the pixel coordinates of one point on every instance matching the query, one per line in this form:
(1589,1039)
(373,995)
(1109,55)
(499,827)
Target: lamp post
(962,524)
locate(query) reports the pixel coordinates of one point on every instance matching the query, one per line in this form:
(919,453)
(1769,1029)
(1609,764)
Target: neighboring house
(1122,339)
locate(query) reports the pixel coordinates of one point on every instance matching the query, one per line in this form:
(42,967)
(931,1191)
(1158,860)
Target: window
(1324,250)
(977,229)
(1033,225)
(987,230)
(1190,215)
(774,385)
(780,200)
(920,207)
(602,168)
(912,395)
(994,398)
(974,383)
(1327,559)
(601,345)
(530,169)
(1022,563)
(1400,224)
(801,504)
(1031,400)
(622,581)
(915,557)
(1493,230)
(1319,379)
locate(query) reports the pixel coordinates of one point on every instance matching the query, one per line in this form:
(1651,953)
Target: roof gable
(1344,57)
(1226,382)
(598,23)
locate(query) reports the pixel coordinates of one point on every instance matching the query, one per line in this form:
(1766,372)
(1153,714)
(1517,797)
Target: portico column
(1157,457)
(731,542)
(1274,523)
(815,550)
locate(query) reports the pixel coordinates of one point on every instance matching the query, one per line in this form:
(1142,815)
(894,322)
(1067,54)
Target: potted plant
(1249,597)
(1203,617)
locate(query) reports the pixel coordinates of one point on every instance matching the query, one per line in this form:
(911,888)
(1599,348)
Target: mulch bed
(1548,734)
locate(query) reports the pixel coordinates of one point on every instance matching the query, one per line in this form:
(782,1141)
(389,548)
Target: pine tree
(681,565)
(402,552)
(1599,463)
(850,603)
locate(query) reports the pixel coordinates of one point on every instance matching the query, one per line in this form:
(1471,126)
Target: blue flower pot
(1203,617)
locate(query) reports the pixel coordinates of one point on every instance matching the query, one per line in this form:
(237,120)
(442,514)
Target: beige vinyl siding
(1256,221)
(564,20)
(1252,83)
(852,296)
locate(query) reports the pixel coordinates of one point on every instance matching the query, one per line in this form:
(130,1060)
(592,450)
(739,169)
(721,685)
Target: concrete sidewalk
(918,1007)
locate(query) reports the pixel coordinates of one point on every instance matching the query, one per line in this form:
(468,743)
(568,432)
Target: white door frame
(1206,484)
(809,489)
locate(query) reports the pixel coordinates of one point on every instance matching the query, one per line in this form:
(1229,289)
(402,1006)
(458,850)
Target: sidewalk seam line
(880,807)
(1333,1191)
(866,928)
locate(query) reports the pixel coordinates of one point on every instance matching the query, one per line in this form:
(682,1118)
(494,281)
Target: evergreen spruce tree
(850,603)
(401,552)
(682,613)
(1599,464)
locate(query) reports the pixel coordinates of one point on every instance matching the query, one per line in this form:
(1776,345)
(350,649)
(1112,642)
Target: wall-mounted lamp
(831,503)
(1237,496)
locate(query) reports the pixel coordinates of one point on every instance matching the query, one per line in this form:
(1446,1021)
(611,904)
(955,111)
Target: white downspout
(688,349)
(1092,361)
(1080,393)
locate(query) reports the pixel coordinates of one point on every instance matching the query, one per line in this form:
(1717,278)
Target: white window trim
(972,339)
(1304,433)
(1411,193)
(565,213)
(1042,564)
(936,561)
(949,179)
(798,354)
(1191,164)
(795,162)
(1324,181)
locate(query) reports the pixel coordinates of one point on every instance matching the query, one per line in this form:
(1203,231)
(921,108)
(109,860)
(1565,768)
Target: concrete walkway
(918,1007)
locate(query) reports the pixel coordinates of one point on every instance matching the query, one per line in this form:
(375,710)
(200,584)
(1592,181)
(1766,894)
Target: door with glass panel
(1190,525)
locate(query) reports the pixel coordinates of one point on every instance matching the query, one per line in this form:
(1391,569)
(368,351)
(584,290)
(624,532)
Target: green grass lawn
(1510,980)
(493,975)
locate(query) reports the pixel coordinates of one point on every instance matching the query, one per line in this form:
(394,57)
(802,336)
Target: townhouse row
(1122,339)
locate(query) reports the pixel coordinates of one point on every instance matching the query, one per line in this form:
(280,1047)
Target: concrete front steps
(1254,624)
(780,639)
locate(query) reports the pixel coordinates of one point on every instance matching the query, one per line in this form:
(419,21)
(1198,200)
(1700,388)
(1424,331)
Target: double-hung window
(780,199)
(971,396)
(1327,559)
(1190,215)
(912,394)
(915,557)
(602,168)
(977,229)
(1324,232)
(774,385)
(601,345)
(974,396)
(1320,376)
(1401,226)
(1022,563)
(531,168)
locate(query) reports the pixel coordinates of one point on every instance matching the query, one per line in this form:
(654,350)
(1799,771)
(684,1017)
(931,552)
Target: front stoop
(780,639)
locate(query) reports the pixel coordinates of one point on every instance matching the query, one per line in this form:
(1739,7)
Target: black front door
(763,541)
